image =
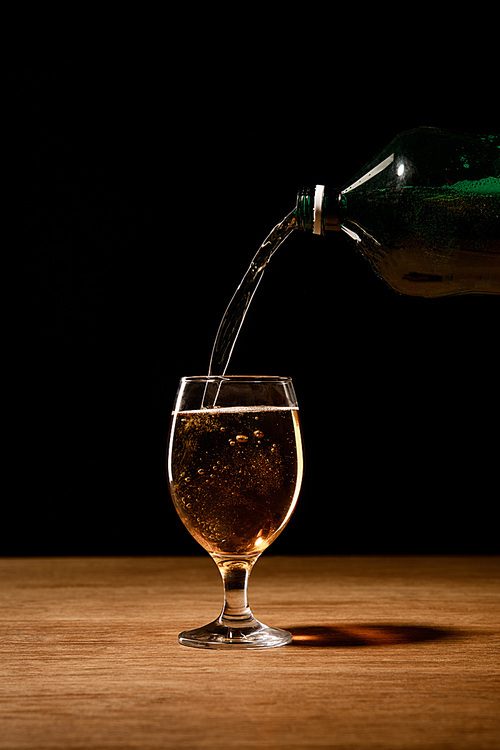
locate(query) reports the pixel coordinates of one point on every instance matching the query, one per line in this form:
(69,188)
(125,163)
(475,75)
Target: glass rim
(237,378)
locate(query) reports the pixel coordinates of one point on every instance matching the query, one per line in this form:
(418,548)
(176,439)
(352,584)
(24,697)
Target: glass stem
(235,573)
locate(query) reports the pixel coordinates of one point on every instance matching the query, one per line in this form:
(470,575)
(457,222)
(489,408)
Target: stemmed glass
(235,469)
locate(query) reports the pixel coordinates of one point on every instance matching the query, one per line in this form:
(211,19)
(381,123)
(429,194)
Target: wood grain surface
(388,653)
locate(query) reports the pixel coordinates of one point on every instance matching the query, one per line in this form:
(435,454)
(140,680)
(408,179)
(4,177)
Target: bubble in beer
(241,438)
(201,471)
(258,434)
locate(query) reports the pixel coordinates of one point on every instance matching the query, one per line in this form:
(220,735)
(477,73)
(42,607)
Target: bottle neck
(318,209)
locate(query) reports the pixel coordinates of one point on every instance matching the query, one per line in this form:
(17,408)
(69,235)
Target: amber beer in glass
(235,469)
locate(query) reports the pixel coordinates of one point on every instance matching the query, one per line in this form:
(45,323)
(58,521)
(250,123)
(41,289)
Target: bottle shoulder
(428,157)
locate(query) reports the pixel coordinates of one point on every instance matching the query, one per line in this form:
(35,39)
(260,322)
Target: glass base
(219,635)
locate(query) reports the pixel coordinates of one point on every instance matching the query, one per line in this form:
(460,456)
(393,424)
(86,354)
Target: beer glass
(235,468)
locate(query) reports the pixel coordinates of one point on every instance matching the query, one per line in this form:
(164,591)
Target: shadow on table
(354,635)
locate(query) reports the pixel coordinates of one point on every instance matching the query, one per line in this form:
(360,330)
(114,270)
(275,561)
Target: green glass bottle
(425,213)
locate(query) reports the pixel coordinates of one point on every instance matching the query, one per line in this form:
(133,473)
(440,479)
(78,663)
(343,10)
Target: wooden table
(388,652)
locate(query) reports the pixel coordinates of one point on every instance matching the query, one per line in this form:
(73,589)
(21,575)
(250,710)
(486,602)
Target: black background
(152,157)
